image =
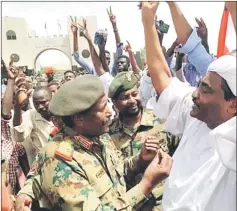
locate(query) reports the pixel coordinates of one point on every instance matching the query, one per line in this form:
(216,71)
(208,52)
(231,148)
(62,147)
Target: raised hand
(12,72)
(128,47)
(74,27)
(112,17)
(105,36)
(201,29)
(22,95)
(83,29)
(11,60)
(148,12)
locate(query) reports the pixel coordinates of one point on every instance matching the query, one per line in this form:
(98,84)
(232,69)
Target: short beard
(128,114)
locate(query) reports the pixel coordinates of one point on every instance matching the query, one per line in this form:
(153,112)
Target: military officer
(136,124)
(80,169)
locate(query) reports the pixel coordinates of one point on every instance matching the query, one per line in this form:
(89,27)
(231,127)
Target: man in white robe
(203,176)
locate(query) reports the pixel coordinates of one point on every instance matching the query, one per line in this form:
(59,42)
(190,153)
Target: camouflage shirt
(73,173)
(129,141)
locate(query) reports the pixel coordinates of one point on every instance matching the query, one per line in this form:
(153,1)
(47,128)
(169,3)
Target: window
(11,35)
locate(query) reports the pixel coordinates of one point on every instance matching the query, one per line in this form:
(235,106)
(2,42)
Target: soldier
(80,169)
(136,124)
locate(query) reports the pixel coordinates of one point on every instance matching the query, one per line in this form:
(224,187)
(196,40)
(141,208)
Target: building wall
(29,47)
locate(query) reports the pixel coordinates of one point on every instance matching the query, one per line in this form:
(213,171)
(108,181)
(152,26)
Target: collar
(147,120)
(89,144)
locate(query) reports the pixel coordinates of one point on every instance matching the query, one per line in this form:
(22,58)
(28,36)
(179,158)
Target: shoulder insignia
(65,150)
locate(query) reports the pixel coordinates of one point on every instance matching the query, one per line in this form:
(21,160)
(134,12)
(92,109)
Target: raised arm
(113,21)
(231,6)
(157,65)
(94,56)
(182,27)
(132,59)
(76,55)
(202,33)
(102,55)
(7,101)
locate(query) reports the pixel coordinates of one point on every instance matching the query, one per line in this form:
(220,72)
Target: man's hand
(105,36)
(22,95)
(149,12)
(149,148)
(157,171)
(23,202)
(128,47)
(83,30)
(201,29)
(74,27)
(12,72)
(112,17)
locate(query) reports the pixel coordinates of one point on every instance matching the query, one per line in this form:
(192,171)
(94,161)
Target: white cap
(225,66)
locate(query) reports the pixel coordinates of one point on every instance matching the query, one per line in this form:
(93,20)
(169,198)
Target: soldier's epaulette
(65,150)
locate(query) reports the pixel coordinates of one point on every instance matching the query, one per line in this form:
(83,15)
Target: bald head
(41,92)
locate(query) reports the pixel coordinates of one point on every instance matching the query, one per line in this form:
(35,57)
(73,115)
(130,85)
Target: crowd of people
(121,137)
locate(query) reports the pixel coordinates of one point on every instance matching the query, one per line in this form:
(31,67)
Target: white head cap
(225,66)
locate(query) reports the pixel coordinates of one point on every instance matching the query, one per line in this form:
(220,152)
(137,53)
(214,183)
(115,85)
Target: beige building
(18,39)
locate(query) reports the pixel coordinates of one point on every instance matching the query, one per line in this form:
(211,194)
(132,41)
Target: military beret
(121,83)
(76,96)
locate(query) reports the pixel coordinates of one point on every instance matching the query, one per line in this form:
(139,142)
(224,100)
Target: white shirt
(33,133)
(106,79)
(203,175)
(146,89)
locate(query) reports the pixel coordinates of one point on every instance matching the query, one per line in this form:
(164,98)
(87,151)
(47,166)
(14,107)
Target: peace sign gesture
(83,29)
(112,17)
(74,27)
(201,29)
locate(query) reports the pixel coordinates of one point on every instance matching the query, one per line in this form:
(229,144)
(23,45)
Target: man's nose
(195,94)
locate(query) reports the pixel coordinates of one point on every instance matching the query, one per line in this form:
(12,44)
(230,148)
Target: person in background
(134,125)
(17,166)
(119,47)
(53,86)
(69,75)
(49,74)
(33,127)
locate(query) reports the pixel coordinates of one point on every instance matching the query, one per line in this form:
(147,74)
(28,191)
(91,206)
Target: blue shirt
(91,70)
(197,57)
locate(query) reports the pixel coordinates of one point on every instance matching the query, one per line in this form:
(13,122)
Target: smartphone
(100,37)
(163,27)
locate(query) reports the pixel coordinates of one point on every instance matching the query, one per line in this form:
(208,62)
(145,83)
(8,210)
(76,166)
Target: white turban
(225,66)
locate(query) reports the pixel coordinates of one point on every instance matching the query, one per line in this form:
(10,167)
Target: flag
(222,48)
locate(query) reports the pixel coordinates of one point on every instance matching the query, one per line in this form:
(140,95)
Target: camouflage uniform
(73,173)
(129,141)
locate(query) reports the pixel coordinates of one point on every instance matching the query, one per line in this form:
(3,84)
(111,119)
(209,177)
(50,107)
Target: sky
(128,19)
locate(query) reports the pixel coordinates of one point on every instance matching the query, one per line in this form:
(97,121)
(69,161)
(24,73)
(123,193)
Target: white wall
(28,46)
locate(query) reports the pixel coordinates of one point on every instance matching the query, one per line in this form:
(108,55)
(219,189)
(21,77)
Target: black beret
(76,96)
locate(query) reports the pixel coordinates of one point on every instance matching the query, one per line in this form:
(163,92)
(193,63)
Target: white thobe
(203,175)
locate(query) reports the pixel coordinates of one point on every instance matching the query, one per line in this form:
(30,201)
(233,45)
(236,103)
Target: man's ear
(232,108)
(78,120)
